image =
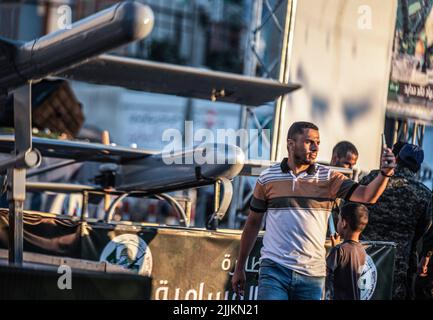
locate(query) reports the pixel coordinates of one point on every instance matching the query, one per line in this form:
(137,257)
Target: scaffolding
(276,18)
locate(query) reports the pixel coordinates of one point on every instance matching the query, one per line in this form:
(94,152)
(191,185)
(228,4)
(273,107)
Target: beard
(302,159)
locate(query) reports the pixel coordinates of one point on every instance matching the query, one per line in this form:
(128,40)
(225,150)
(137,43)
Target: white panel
(341,57)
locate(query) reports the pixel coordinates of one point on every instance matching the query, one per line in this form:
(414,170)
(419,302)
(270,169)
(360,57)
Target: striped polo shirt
(297,211)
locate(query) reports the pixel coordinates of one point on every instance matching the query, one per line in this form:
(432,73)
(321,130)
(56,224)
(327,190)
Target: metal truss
(268,17)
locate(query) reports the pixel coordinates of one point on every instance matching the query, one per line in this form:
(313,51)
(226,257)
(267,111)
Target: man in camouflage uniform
(401,216)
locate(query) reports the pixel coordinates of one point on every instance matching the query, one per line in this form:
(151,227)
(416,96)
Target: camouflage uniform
(424,285)
(401,216)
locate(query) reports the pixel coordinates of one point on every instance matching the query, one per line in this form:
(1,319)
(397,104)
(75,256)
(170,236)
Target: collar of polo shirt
(285,167)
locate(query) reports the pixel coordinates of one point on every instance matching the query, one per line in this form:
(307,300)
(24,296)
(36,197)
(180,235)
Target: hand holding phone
(387,158)
(384,146)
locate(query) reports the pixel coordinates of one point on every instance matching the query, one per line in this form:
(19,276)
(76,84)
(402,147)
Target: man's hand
(422,267)
(388,162)
(335,239)
(371,192)
(238,281)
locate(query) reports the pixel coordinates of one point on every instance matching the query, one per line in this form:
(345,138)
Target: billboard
(411,82)
(340,52)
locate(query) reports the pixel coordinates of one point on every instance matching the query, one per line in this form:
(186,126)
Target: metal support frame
(252,60)
(284,71)
(221,206)
(184,218)
(86,191)
(23,157)
(52,167)
(85,208)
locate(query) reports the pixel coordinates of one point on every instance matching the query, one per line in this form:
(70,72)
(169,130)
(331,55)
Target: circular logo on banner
(130,252)
(367,279)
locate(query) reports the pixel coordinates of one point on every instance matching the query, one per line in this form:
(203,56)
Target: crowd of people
(293,201)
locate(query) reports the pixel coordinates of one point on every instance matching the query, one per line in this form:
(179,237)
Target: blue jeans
(280,283)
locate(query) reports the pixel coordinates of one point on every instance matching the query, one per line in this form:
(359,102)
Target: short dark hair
(298,128)
(343,147)
(355,214)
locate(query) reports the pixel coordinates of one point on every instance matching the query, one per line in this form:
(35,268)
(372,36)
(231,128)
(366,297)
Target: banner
(410,92)
(184,263)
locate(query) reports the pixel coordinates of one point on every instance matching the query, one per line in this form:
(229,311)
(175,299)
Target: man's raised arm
(371,192)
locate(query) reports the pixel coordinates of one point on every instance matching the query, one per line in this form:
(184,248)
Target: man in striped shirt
(297,197)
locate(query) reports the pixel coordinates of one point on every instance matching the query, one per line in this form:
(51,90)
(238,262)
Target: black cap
(411,156)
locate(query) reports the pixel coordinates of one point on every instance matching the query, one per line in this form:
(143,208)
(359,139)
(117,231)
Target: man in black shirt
(344,155)
(347,260)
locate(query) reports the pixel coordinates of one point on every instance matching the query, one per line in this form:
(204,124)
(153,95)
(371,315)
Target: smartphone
(331,225)
(384,146)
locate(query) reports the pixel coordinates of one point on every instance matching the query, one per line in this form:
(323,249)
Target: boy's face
(341,226)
